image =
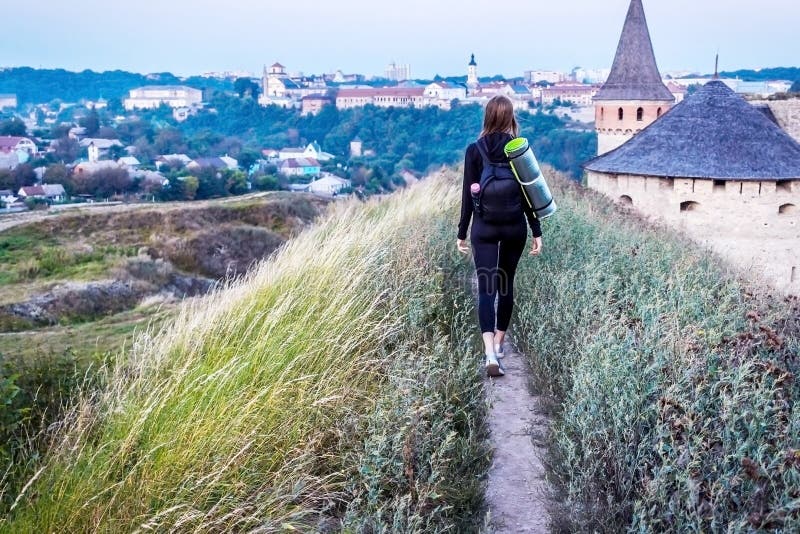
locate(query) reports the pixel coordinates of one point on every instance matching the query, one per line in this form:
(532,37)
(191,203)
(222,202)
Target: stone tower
(472,75)
(634,96)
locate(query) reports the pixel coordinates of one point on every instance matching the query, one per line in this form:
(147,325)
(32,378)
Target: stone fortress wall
(752,223)
(787,112)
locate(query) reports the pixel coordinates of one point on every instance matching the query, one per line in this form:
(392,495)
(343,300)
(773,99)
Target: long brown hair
(499,117)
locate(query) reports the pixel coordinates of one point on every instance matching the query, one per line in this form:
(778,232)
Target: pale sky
(315,36)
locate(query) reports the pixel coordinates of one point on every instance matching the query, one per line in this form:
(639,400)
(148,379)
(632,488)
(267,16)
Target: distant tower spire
(716,68)
(634,95)
(472,75)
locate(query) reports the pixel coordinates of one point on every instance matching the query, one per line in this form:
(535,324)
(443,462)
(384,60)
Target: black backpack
(500,201)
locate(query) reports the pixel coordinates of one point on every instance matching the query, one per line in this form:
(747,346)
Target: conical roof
(472,61)
(713,134)
(634,75)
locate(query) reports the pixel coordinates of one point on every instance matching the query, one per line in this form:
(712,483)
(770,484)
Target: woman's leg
(485,253)
(509,254)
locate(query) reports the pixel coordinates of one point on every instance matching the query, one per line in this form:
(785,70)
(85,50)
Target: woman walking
(499,232)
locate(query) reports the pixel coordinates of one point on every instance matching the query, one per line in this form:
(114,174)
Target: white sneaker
(498,350)
(493,367)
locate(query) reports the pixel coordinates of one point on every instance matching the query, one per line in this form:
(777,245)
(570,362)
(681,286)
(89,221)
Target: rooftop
(634,75)
(713,134)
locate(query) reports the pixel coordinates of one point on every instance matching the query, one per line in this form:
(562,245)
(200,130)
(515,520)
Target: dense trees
(416,139)
(777,73)
(795,87)
(14,127)
(39,86)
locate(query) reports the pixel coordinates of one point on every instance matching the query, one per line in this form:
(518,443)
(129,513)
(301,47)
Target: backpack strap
(485,155)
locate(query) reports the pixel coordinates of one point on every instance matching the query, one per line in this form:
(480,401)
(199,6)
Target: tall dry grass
(330,388)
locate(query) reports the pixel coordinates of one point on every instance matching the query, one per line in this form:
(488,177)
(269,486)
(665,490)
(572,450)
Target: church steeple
(634,96)
(634,75)
(472,75)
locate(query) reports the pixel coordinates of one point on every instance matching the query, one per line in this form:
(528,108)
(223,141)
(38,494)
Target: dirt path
(517,491)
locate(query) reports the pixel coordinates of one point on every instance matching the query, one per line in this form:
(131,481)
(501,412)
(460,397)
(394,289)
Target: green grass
(672,382)
(334,385)
(29,255)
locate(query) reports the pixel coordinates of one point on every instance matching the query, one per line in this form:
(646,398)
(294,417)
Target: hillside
(337,388)
(40,86)
(330,386)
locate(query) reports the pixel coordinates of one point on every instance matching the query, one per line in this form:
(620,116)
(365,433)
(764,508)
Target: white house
(98,148)
(446,91)
(173,160)
(7,196)
(129,161)
(152,96)
(300,167)
(328,185)
(8,101)
(20,145)
(313,151)
(54,192)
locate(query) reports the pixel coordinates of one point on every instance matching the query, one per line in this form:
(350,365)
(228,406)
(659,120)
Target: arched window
(658,113)
(640,114)
(602,113)
(690,206)
(625,200)
(787,209)
(620,113)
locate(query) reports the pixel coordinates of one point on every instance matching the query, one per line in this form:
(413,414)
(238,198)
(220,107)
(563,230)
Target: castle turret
(634,96)
(472,75)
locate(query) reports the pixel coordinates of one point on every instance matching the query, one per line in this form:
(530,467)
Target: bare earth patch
(517,494)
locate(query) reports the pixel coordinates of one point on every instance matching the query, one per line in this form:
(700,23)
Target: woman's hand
(536,246)
(462,246)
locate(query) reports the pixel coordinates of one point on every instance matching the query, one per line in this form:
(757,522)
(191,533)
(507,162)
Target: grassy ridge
(673,385)
(332,386)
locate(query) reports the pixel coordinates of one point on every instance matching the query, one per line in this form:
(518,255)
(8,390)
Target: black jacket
(473,167)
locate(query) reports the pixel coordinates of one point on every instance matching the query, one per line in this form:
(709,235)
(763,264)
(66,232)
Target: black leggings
(496,250)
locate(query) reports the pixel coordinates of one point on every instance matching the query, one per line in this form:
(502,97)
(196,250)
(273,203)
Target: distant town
(86,161)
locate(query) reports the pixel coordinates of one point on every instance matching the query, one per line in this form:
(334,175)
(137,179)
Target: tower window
(658,113)
(787,209)
(602,113)
(620,113)
(640,114)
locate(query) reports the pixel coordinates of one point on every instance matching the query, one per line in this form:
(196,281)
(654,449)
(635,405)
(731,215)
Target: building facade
(385,97)
(634,96)
(574,93)
(175,96)
(397,72)
(8,101)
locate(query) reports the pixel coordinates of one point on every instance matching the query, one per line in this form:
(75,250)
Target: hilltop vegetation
(672,383)
(74,287)
(337,388)
(334,387)
(40,86)
(776,73)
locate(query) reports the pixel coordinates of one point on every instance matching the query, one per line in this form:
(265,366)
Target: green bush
(672,383)
(33,394)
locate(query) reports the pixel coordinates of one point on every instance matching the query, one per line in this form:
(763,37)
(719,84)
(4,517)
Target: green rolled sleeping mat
(529,174)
